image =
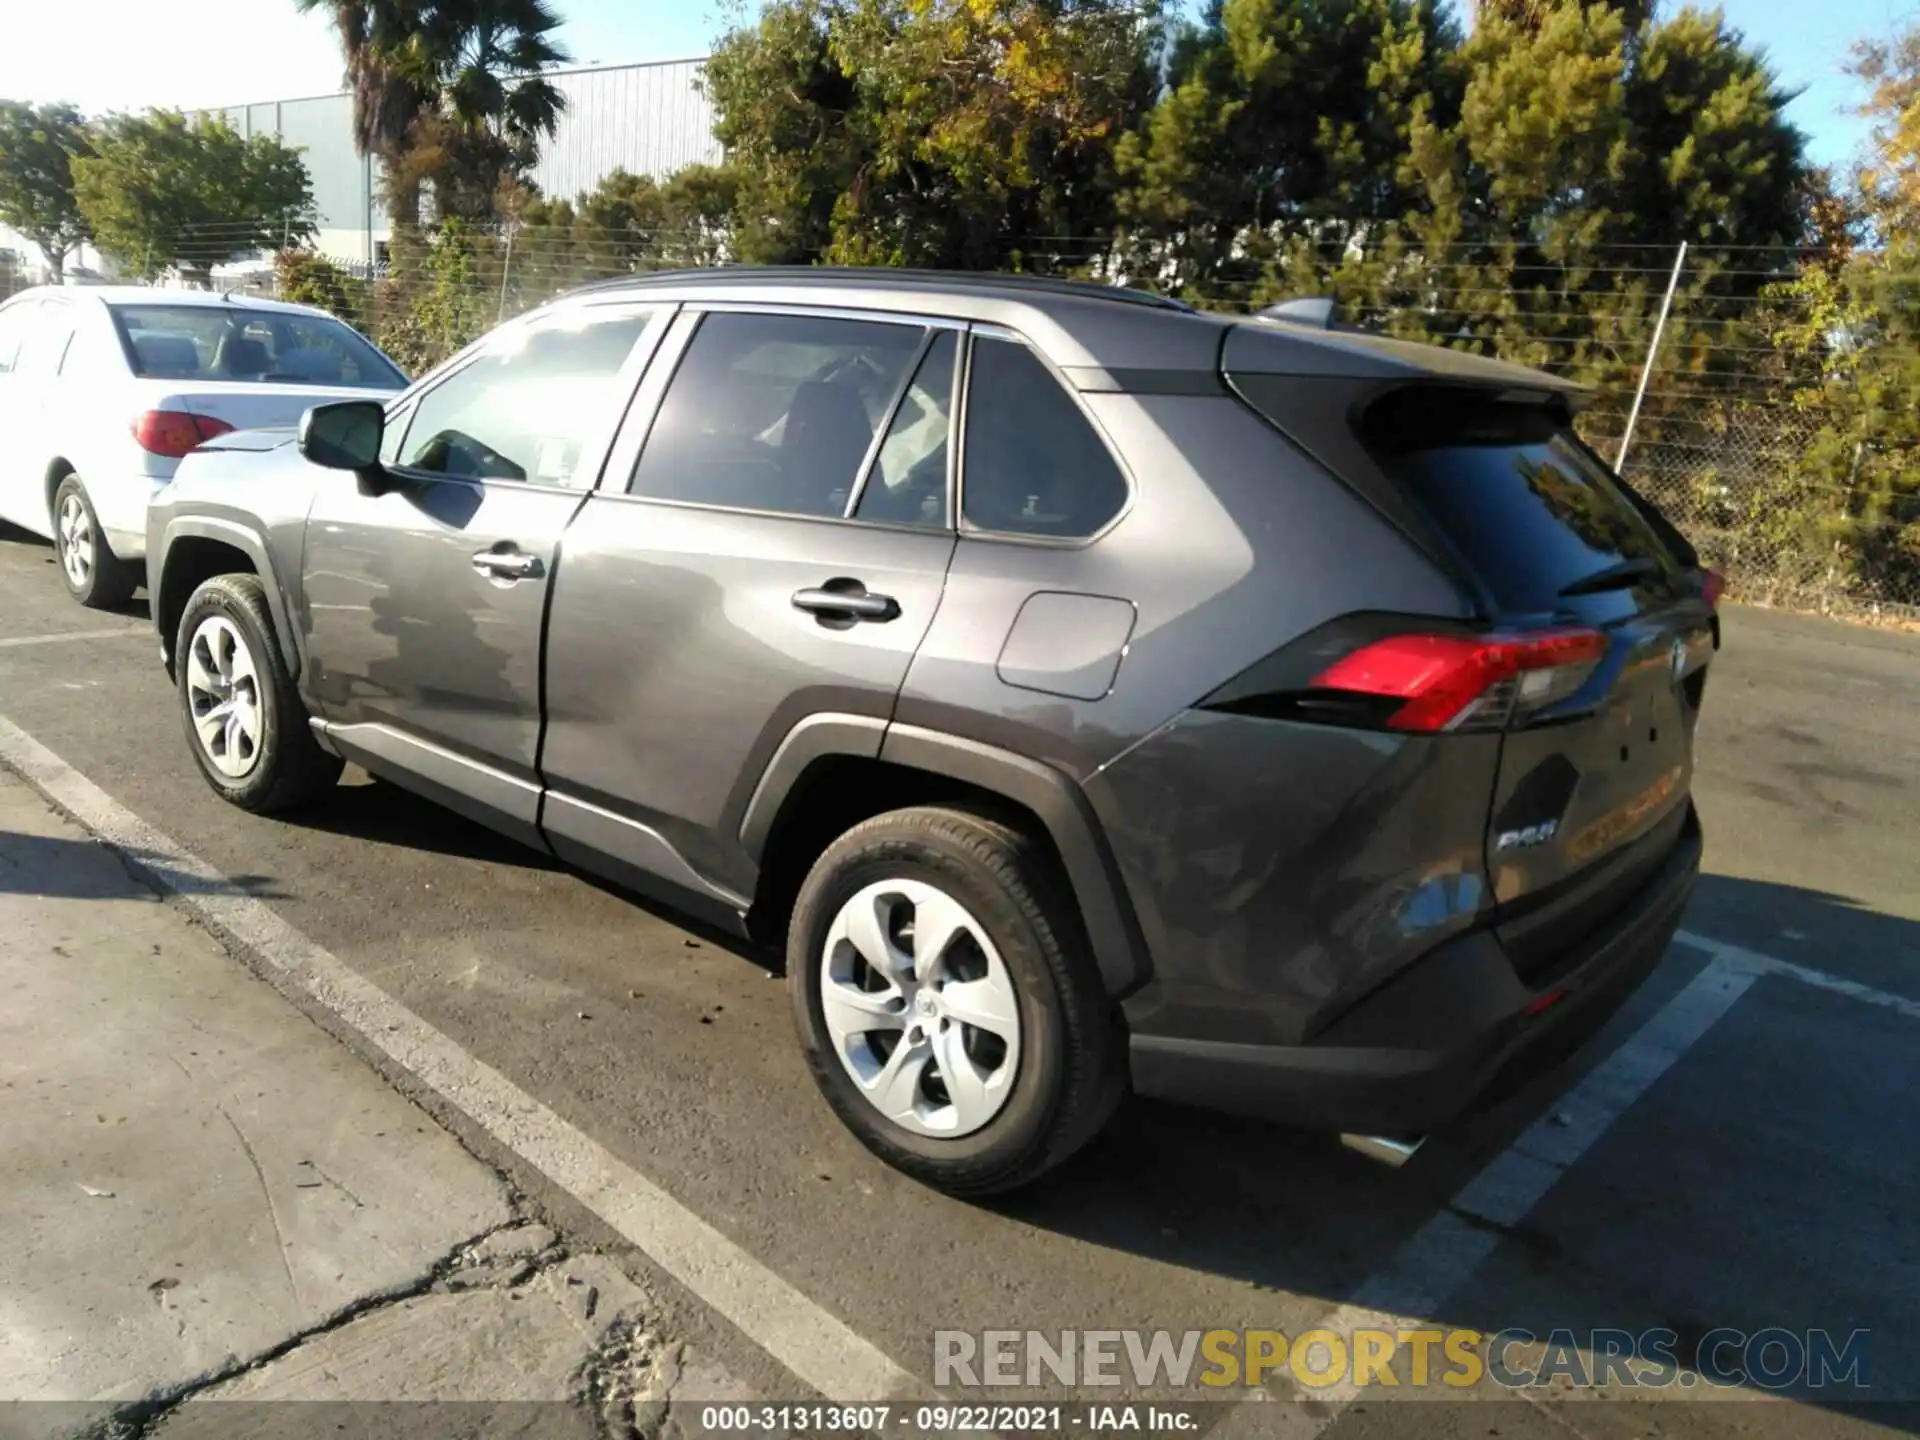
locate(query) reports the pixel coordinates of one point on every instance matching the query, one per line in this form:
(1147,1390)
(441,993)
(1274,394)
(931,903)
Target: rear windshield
(1537,515)
(237,343)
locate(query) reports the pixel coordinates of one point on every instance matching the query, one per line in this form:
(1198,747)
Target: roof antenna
(1322,312)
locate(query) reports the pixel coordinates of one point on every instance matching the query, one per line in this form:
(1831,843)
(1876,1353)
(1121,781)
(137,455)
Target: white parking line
(815,1345)
(11,642)
(1754,963)
(1442,1254)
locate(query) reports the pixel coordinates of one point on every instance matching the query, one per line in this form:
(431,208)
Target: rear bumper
(1451,1034)
(120,501)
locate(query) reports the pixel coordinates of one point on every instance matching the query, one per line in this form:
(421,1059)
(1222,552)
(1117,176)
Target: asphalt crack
(136,1419)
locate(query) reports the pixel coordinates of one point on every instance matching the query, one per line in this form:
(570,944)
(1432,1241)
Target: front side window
(241,343)
(1034,463)
(774,412)
(528,406)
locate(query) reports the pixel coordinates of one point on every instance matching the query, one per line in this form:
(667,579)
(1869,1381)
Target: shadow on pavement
(62,869)
(11,534)
(386,814)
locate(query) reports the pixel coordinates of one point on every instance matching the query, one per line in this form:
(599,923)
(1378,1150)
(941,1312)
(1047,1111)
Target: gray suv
(1088,693)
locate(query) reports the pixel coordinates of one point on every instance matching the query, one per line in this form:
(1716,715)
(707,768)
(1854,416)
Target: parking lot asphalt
(1763,1175)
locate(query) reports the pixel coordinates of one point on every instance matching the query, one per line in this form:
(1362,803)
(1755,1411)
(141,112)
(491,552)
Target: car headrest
(242,356)
(173,355)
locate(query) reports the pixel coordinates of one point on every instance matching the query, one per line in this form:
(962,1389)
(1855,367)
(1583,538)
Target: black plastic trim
(1119,947)
(249,543)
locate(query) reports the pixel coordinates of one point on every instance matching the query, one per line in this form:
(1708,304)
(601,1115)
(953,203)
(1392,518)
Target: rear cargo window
(1532,510)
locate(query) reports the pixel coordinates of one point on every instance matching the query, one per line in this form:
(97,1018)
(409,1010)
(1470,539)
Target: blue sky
(191,53)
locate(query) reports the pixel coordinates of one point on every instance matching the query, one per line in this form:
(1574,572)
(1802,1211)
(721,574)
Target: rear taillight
(174,432)
(1459,682)
(1712,586)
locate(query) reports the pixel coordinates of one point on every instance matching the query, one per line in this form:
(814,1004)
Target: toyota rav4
(1085,692)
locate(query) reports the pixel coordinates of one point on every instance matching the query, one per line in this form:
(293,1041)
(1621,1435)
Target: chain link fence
(1750,470)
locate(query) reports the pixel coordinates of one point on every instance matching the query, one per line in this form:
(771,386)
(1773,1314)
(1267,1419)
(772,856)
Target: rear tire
(94,575)
(245,724)
(990,1106)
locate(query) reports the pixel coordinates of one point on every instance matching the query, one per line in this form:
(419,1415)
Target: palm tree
(388,73)
(449,91)
(497,52)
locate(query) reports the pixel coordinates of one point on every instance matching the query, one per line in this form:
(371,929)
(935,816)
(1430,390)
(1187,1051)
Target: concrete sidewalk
(207,1198)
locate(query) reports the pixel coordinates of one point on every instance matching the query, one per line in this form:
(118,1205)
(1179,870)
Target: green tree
(1283,119)
(931,132)
(392,72)
(162,190)
(38,145)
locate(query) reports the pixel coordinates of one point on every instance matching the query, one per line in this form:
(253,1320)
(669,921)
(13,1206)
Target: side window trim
(887,416)
(596,447)
(968,531)
(616,477)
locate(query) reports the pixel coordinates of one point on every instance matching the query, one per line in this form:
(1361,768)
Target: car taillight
(1712,586)
(174,432)
(1456,682)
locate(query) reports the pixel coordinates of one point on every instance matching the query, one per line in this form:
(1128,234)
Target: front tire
(94,575)
(245,724)
(947,1003)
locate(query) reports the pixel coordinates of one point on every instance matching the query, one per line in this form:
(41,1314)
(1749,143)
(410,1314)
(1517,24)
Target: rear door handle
(855,602)
(506,564)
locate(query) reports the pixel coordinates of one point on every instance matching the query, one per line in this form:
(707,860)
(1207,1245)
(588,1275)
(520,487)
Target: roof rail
(889,275)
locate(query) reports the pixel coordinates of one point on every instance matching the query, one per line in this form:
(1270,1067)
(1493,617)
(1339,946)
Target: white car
(103,390)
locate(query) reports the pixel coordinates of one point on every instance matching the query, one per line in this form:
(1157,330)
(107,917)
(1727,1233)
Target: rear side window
(774,412)
(1532,510)
(1034,463)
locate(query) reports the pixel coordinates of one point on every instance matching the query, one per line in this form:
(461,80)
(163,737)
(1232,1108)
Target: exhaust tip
(1384,1148)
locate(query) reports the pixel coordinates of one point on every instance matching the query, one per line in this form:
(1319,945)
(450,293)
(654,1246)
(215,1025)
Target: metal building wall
(321,128)
(646,119)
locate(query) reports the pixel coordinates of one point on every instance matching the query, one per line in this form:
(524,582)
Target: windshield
(238,343)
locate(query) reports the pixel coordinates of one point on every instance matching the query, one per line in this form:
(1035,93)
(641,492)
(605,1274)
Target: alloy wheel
(921,1008)
(223,691)
(76,540)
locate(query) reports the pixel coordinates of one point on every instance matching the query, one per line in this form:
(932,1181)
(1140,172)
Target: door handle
(506,564)
(854,602)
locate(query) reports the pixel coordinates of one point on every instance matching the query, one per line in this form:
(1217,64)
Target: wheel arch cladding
(954,770)
(201,547)
(58,469)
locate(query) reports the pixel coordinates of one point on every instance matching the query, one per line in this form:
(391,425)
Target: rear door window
(15,321)
(1034,463)
(45,342)
(1538,517)
(907,484)
(775,412)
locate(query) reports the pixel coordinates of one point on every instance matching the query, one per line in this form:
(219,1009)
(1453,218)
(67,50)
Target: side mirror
(346,435)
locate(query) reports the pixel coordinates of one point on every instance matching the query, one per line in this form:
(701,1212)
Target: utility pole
(506,269)
(1646,370)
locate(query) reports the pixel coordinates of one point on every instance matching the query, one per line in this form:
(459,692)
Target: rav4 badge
(1527,838)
